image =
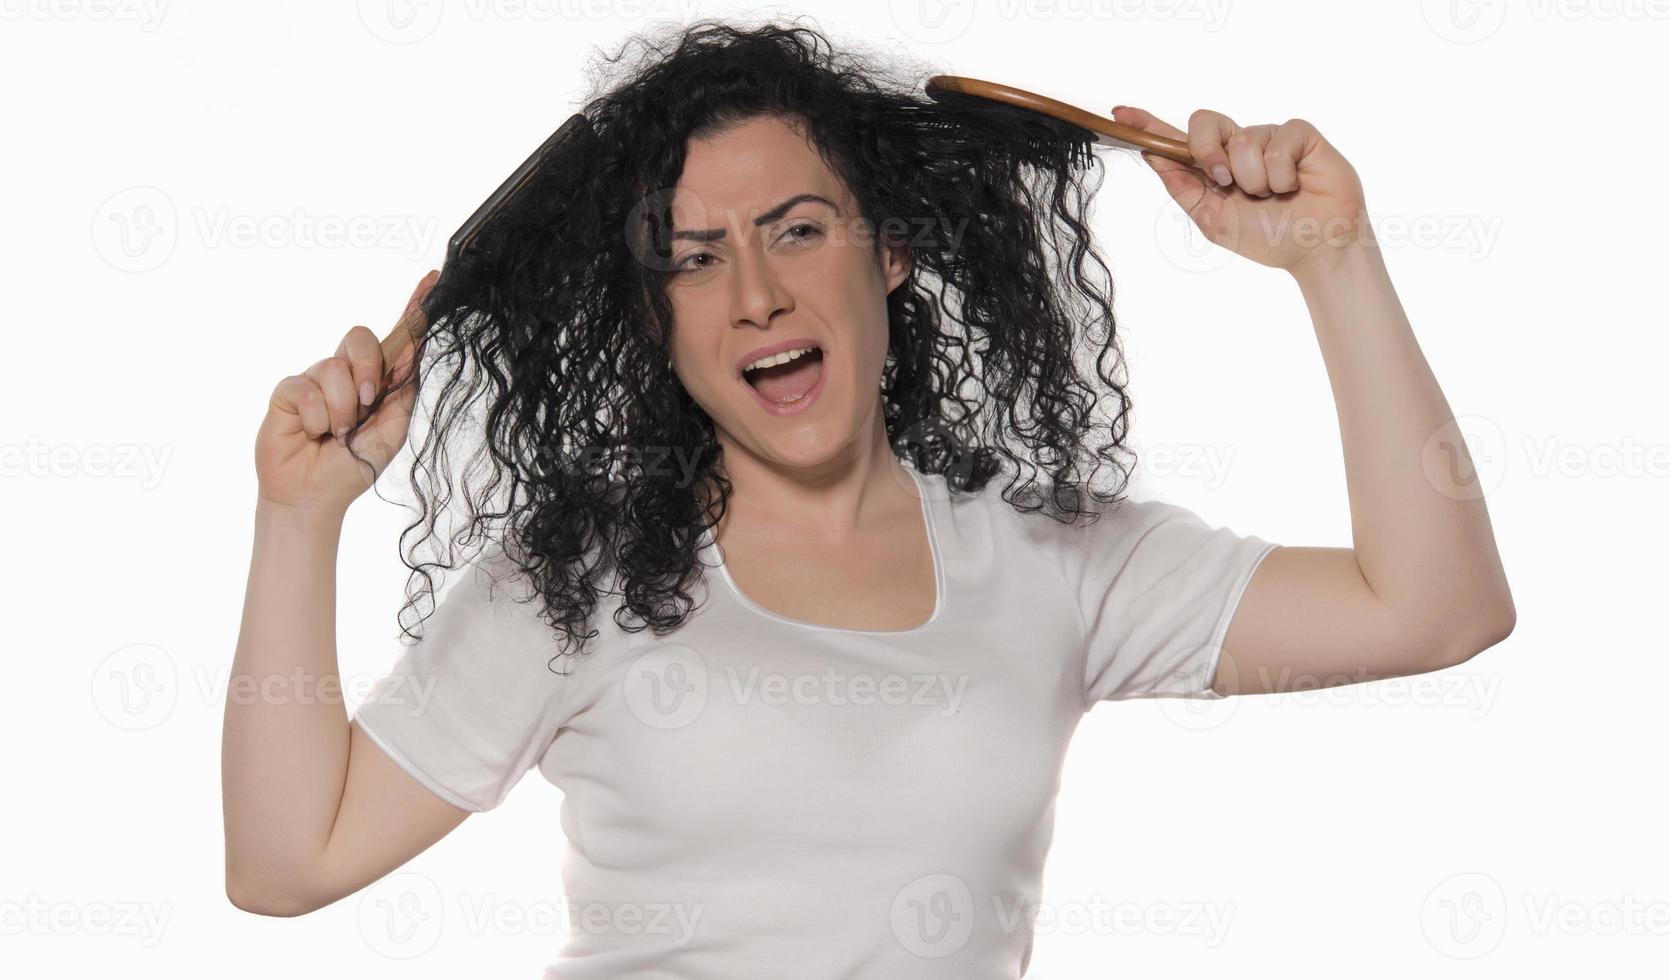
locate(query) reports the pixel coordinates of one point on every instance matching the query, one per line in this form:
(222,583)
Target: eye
(810,230)
(686,264)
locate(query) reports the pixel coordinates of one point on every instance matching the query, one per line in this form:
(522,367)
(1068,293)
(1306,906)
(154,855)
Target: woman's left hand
(1280,195)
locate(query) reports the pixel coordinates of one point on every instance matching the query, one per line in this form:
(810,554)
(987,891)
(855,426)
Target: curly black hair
(549,363)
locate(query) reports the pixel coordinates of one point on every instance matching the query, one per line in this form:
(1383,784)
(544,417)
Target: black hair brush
(463,248)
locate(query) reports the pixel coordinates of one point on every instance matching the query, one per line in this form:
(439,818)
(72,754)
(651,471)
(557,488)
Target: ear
(895,265)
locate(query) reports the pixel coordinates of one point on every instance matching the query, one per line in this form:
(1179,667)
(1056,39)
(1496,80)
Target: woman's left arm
(1422,587)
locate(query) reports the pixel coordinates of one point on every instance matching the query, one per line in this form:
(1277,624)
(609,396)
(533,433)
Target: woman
(777,443)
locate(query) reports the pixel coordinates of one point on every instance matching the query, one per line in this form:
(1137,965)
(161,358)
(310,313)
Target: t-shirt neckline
(931,526)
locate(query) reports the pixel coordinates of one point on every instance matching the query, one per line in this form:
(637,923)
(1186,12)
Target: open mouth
(788,380)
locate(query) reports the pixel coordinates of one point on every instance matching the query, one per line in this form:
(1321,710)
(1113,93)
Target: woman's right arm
(313,809)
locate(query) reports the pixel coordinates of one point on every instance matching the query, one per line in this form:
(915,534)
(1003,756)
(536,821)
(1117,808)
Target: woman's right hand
(300,463)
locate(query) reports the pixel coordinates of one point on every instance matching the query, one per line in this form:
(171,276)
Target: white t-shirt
(755,797)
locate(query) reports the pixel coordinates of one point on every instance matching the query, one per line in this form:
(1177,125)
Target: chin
(805,440)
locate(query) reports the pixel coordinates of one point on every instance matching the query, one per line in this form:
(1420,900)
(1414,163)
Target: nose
(757,292)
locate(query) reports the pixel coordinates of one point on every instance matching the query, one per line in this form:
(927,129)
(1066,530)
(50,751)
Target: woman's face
(770,257)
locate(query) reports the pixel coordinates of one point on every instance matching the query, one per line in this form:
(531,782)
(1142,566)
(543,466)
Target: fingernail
(340,432)
(367,393)
(1220,173)
(1117,108)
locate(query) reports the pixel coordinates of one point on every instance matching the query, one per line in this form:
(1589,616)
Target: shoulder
(1099,518)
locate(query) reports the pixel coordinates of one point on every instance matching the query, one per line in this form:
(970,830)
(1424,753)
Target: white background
(1504,818)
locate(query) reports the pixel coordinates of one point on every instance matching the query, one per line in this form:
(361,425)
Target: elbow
(1485,624)
(261,900)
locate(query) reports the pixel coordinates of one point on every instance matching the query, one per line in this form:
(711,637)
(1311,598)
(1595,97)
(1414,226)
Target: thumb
(1178,178)
(384,433)
(411,324)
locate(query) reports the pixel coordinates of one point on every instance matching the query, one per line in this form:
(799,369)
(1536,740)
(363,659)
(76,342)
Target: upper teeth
(776,359)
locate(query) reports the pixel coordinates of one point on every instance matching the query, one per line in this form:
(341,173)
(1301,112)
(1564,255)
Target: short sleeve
(1157,587)
(473,704)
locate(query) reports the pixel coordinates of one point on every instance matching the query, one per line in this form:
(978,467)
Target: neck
(853,489)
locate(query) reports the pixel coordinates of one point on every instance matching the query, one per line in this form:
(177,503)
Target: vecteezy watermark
(1206,463)
(934,916)
(679,462)
(404,915)
(940,21)
(297,685)
(145,13)
(1183,243)
(1471,21)
(1466,916)
(1467,458)
(33,915)
(833,687)
(662,218)
(409,234)
(674,922)
(669,686)
(34,459)
(1207,921)
(1625,459)
(1472,692)
(137,229)
(407,21)
(137,687)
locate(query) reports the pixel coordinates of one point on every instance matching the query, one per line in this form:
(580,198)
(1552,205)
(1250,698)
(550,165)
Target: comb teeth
(986,109)
(966,125)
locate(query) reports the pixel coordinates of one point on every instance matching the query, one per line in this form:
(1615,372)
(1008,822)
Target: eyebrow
(714,234)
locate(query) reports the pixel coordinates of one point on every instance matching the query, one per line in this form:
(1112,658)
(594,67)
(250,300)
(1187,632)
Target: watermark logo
(401,21)
(1185,245)
(933,916)
(932,21)
(1464,21)
(1465,916)
(136,687)
(1203,710)
(1464,459)
(666,687)
(942,21)
(400,916)
(136,229)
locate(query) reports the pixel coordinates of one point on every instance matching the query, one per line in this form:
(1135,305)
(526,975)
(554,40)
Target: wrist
(1332,261)
(292,517)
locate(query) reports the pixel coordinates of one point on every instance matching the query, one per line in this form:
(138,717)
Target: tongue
(788,382)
